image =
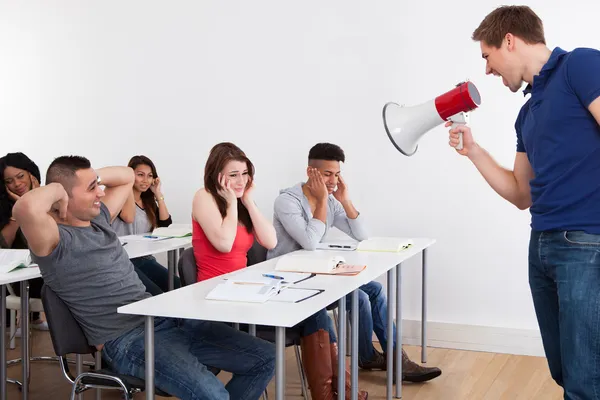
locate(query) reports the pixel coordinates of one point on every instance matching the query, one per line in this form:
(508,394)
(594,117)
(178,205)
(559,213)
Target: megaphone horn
(406,125)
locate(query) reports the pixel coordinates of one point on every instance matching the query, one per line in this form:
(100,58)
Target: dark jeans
(153,275)
(564,277)
(183,349)
(372,317)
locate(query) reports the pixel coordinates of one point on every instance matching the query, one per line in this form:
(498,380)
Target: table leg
(398,338)
(390,334)
(79,370)
(171,255)
(149,340)
(3,343)
(24,337)
(424,308)
(341,348)
(98,367)
(354,353)
(252,330)
(279,363)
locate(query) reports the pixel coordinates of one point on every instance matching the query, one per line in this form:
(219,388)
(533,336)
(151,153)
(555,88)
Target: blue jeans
(564,277)
(153,275)
(183,349)
(319,320)
(372,317)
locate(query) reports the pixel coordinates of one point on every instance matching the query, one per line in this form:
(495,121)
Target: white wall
(110,79)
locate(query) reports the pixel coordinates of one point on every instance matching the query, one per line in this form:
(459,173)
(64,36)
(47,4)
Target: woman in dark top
(19,175)
(145,210)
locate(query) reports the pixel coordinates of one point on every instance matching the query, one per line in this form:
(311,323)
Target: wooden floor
(465,375)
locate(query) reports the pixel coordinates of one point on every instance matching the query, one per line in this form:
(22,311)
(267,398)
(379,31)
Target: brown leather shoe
(413,372)
(377,362)
(362,394)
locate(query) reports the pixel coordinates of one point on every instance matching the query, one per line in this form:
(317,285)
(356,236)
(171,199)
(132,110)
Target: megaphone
(406,125)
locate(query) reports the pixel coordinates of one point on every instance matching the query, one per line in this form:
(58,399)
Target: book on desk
(317,263)
(12,260)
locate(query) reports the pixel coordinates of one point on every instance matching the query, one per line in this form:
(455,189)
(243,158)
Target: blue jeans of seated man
(183,348)
(564,277)
(153,275)
(372,317)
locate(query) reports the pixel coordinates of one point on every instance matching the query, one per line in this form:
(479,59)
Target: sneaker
(40,326)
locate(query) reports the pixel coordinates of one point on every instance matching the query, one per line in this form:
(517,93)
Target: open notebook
(385,244)
(317,263)
(12,260)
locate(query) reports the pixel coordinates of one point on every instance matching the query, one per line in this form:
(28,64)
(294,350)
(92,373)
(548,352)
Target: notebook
(385,244)
(12,260)
(172,232)
(317,263)
(247,292)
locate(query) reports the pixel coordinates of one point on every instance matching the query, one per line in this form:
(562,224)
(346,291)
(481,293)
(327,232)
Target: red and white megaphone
(406,125)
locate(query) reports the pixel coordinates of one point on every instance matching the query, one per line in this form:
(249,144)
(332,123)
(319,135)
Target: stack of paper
(172,232)
(242,291)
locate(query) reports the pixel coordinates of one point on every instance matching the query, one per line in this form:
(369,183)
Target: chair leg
(13,328)
(301,372)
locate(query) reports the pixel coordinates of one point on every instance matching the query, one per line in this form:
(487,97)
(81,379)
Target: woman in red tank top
(225,223)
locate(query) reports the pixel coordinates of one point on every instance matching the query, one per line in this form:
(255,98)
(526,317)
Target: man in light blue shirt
(302,217)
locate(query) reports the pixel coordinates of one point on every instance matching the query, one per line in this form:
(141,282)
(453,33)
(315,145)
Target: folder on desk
(385,244)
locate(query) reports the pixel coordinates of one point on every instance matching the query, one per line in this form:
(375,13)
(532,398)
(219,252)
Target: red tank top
(210,262)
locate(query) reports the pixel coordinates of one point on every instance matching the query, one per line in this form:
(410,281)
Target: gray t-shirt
(91,272)
(141,224)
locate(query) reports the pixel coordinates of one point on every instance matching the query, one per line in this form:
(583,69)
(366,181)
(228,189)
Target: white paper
(385,244)
(140,238)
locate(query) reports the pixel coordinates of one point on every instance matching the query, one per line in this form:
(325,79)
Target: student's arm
(288,210)
(513,185)
(163,212)
(33,213)
(8,234)
(127,213)
(219,231)
(118,182)
(263,228)
(353,227)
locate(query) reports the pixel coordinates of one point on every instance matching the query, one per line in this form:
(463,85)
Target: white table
(139,248)
(286,315)
(23,276)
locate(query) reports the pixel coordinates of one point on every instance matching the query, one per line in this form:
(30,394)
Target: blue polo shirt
(562,141)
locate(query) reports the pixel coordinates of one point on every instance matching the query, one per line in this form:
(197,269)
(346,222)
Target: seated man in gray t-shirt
(67,226)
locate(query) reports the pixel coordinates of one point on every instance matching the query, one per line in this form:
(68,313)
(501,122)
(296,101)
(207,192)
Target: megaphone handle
(459,146)
(461,118)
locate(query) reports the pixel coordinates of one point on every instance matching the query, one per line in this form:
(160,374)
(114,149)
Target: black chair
(257,253)
(68,338)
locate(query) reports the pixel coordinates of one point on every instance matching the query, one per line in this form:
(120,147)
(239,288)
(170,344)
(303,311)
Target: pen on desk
(336,246)
(272,276)
(124,243)
(151,237)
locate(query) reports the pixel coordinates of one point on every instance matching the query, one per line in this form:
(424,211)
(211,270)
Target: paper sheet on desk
(141,238)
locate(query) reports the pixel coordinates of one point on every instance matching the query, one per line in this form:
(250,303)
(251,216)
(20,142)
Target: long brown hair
(148,200)
(218,158)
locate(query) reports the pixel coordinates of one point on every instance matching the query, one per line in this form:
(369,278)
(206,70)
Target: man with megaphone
(556,175)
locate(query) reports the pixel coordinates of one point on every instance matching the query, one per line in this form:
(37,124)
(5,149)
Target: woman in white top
(145,210)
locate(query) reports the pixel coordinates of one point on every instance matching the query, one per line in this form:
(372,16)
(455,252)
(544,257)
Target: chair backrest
(188,272)
(256,254)
(66,333)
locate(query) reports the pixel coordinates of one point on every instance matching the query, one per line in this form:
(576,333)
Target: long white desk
(286,315)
